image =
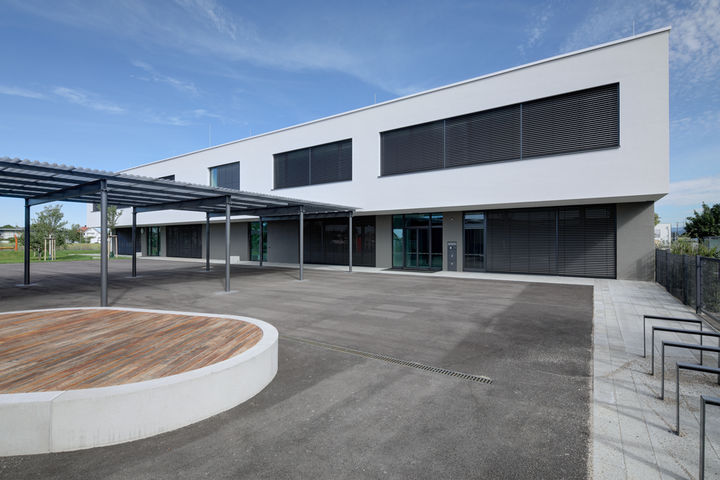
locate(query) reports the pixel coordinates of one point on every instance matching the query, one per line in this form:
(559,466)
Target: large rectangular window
(572,122)
(331,162)
(326,241)
(417,241)
(226,176)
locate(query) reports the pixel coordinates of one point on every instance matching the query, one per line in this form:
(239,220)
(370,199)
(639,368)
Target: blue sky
(113,84)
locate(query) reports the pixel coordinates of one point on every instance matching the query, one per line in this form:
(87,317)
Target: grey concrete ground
(329,414)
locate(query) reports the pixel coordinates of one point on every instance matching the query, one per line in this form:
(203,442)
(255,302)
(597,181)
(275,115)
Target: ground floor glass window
(474,244)
(417,241)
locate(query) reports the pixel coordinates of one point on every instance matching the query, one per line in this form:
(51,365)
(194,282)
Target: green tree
(113,214)
(47,222)
(74,235)
(705,223)
(657,219)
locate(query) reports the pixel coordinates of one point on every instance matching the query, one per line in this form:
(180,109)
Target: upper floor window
(226,176)
(567,123)
(331,162)
(167,177)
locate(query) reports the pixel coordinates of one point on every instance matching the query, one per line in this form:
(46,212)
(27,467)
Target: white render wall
(636,171)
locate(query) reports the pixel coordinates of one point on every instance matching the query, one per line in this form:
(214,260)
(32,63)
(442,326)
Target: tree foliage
(704,224)
(46,223)
(657,219)
(74,234)
(113,214)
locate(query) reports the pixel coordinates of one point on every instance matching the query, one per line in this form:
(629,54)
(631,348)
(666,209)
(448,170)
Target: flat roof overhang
(38,183)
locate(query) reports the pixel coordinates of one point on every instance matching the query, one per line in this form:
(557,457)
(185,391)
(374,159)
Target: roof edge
(418,94)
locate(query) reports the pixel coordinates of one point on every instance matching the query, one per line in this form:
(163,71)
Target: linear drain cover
(385,358)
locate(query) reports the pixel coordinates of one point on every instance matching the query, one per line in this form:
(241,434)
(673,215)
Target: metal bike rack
(704,401)
(689,346)
(695,368)
(701,333)
(667,319)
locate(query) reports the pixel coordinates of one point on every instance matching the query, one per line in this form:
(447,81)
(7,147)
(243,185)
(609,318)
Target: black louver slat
(489,136)
(412,149)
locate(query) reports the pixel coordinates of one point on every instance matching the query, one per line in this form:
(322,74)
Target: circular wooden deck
(86,348)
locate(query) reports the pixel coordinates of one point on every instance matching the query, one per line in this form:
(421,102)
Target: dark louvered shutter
(522,241)
(572,122)
(331,162)
(587,241)
(498,241)
(542,235)
(489,136)
(292,169)
(184,241)
(412,149)
(228,176)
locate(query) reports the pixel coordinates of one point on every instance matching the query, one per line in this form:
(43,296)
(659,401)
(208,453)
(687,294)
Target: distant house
(663,232)
(8,233)
(90,234)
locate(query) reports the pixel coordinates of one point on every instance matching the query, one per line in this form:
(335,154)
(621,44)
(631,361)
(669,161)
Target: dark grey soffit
(40,183)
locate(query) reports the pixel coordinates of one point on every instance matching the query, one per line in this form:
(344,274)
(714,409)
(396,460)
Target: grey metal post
(302,240)
(26,254)
(103,244)
(702,437)
(260,242)
(207,242)
(677,398)
(134,243)
(350,242)
(698,284)
(227,243)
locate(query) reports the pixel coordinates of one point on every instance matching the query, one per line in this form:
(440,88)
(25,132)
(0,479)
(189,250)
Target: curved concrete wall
(43,422)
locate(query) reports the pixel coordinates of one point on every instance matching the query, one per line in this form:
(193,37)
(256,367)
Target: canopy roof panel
(39,182)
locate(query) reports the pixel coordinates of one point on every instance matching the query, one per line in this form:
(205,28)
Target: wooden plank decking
(74,349)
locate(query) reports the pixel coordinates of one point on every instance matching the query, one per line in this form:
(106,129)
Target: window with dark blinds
(226,176)
(572,122)
(413,149)
(576,241)
(327,163)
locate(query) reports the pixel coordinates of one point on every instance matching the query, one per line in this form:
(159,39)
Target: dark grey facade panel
(572,122)
(184,241)
(575,241)
(413,149)
(489,136)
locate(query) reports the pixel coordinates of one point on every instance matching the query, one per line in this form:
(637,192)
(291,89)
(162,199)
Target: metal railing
(689,346)
(694,368)
(704,401)
(701,333)
(692,279)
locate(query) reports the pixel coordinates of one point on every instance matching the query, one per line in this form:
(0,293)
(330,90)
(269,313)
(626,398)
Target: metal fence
(694,280)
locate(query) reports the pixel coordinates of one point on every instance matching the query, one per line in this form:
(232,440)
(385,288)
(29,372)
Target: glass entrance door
(474,258)
(153,241)
(417,241)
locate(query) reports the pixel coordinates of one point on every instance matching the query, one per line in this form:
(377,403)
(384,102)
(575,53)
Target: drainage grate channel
(397,361)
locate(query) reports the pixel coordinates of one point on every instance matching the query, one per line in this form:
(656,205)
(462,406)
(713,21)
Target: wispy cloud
(155,76)
(205,29)
(86,99)
(693,192)
(694,42)
(183,119)
(20,92)
(538,26)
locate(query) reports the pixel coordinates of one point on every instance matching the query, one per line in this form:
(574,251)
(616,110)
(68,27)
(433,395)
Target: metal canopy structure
(40,183)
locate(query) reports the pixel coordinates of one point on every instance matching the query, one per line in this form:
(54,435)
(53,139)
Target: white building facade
(550,168)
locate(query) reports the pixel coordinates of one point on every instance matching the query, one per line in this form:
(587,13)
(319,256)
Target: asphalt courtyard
(336,414)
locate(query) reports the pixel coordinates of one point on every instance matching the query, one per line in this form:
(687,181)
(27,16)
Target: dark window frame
(210,172)
(308,179)
(521,156)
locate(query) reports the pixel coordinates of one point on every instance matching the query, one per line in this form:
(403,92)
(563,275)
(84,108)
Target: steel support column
(301,239)
(103,244)
(260,247)
(207,242)
(350,242)
(227,243)
(26,253)
(134,242)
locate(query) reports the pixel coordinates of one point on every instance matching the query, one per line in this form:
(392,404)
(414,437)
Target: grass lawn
(11,256)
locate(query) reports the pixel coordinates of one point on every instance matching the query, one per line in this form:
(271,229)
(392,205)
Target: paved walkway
(632,427)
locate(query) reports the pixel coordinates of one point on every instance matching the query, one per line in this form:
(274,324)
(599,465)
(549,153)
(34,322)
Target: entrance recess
(417,241)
